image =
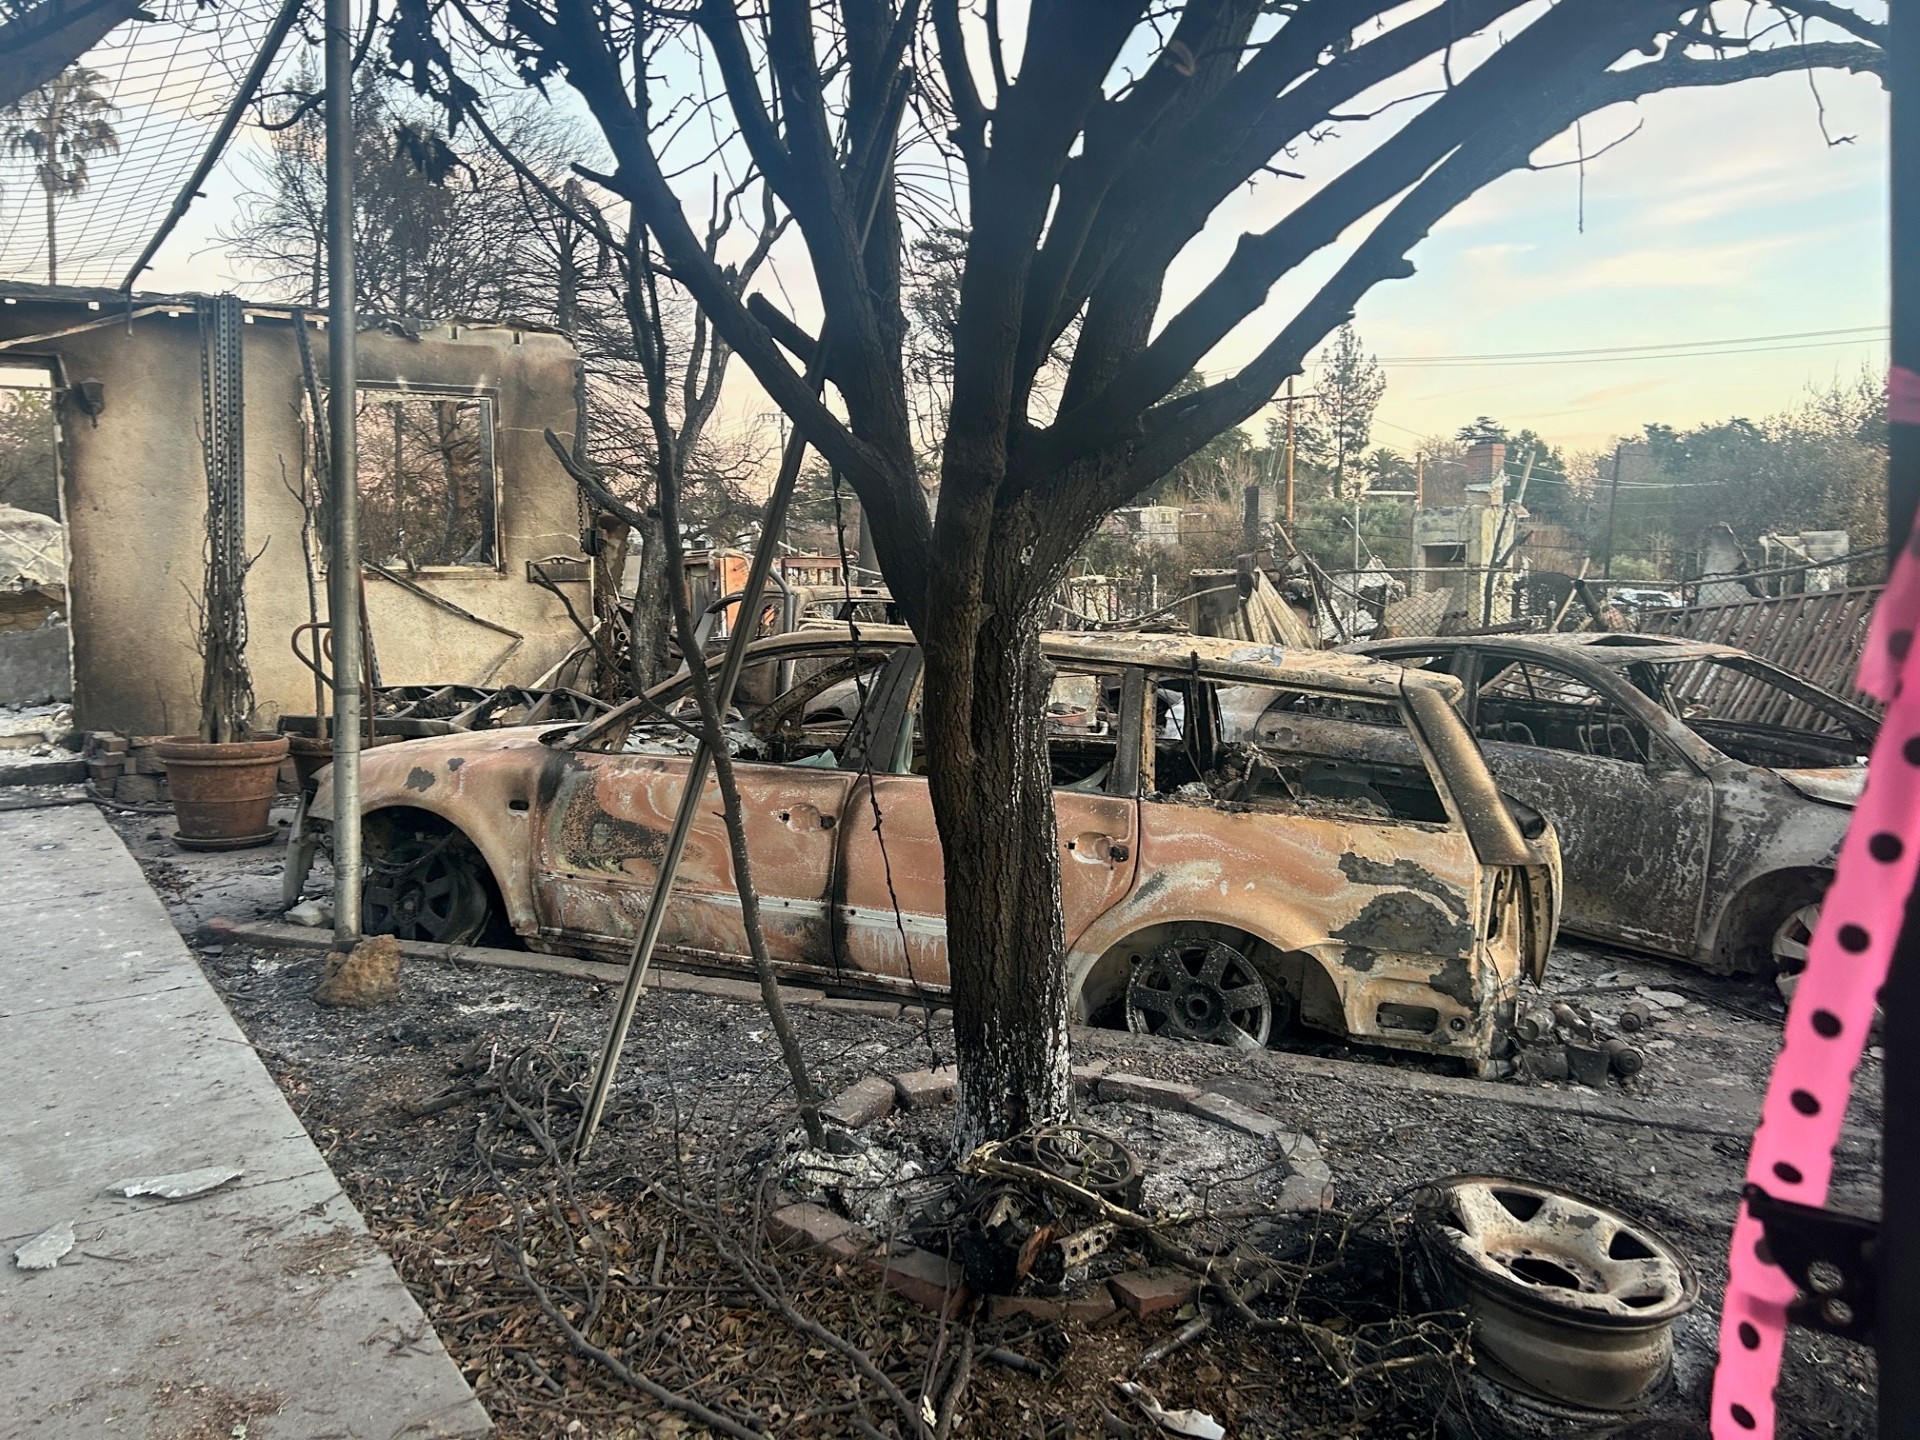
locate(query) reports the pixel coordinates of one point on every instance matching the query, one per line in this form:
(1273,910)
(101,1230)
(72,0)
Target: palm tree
(62,125)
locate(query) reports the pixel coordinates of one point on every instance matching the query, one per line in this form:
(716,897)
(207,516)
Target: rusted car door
(605,818)
(1635,817)
(891,900)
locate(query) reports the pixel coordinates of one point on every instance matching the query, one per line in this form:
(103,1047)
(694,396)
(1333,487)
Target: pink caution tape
(1832,1009)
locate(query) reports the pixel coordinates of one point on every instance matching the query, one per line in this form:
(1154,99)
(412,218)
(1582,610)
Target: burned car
(1215,886)
(1700,792)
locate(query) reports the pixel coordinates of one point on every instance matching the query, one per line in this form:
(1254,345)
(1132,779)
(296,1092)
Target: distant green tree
(1481,430)
(62,125)
(1346,395)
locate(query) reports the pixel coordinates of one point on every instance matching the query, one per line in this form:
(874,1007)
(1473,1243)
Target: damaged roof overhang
(115,304)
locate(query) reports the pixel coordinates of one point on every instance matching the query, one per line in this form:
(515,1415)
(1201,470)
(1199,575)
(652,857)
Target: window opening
(429,494)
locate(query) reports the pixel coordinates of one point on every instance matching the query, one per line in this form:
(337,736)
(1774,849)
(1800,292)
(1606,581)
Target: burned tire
(427,887)
(1200,988)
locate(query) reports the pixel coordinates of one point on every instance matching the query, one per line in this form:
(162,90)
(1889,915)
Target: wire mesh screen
(167,81)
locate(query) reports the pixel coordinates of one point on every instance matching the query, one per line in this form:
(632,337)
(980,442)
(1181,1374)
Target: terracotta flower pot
(222,793)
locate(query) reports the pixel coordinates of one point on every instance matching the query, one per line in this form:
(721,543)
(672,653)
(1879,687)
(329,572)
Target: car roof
(1602,647)
(1235,659)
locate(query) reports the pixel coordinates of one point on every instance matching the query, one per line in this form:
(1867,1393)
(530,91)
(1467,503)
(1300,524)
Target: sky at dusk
(1725,218)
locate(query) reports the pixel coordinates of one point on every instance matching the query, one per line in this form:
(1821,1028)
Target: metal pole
(343,573)
(772,522)
(1613,499)
(1898,1283)
(1289,451)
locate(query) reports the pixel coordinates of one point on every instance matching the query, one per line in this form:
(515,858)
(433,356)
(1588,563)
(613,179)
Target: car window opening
(1275,749)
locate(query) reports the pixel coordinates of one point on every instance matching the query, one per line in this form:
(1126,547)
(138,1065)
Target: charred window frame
(429,478)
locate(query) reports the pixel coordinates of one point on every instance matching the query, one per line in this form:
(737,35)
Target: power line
(1676,345)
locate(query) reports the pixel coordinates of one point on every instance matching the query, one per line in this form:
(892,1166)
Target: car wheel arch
(1097,980)
(388,823)
(1745,926)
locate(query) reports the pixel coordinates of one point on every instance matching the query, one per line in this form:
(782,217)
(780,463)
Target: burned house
(460,495)
(1466,544)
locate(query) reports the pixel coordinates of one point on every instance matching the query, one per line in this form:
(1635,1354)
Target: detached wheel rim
(425,890)
(1570,1300)
(1200,989)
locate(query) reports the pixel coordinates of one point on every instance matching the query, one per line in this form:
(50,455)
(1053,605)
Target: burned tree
(1087,162)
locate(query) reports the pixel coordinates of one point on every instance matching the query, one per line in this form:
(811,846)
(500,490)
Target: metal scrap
(1196,1423)
(185,1185)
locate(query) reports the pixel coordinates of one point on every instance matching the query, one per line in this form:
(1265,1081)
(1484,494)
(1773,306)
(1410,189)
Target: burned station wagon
(1218,885)
(1700,792)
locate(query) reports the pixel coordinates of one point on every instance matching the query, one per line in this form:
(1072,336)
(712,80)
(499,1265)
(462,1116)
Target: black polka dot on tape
(1787,1174)
(1742,1416)
(1886,847)
(1826,1024)
(1911,750)
(1762,1251)
(1854,938)
(1805,1101)
(1899,643)
(1749,1336)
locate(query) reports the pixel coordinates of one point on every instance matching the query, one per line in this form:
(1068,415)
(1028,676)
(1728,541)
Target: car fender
(482,785)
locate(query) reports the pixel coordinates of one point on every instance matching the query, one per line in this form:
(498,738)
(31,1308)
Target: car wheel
(1200,989)
(426,888)
(1792,937)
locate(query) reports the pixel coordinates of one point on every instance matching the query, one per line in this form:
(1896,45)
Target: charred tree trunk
(651,623)
(992,789)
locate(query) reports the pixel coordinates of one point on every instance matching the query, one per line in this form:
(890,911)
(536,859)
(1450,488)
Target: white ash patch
(1192,1164)
(870,1184)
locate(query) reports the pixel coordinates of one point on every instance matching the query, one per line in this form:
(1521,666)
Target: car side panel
(1392,914)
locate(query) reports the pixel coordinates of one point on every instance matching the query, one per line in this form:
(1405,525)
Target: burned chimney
(1487,465)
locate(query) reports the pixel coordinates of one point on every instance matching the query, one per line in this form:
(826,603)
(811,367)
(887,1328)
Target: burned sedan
(1216,886)
(1700,792)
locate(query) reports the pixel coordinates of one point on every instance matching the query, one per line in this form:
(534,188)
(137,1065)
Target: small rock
(1665,999)
(315,914)
(369,976)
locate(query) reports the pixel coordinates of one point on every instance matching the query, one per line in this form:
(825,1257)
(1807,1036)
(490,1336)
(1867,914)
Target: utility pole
(343,570)
(1613,499)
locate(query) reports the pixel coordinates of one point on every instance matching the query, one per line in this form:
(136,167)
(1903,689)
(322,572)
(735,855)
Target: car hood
(1838,786)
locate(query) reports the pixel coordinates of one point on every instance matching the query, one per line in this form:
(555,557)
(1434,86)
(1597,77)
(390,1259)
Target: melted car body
(1700,793)
(1218,882)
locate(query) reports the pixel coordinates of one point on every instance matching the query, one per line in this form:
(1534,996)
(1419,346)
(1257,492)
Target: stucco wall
(135,495)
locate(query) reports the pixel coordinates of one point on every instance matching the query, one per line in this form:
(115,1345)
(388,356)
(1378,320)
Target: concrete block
(1152,1292)
(926,1279)
(919,1088)
(861,1103)
(1086,1076)
(819,1228)
(1235,1116)
(140,790)
(1144,1090)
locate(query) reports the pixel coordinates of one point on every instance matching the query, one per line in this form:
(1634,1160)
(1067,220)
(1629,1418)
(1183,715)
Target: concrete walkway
(262,1309)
